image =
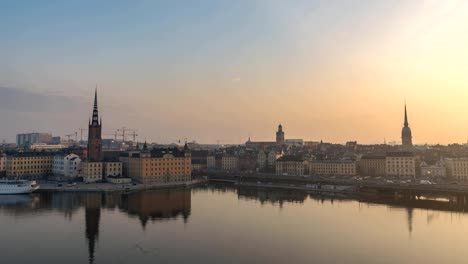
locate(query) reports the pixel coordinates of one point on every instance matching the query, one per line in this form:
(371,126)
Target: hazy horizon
(225,70)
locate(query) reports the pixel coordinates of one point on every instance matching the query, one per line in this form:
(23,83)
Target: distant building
(332,167)
(66,166)
(91,171)
(3,159)
(27,139)
(158,166)
(112,169)
(280,135)
(247,162)
(229,163)
(261,160)
(273,155)
(435,170)
(48,147)
(29,165)
(406,136)
(372,165)
(294,142)
(400,164)
(290,165)
(457,168)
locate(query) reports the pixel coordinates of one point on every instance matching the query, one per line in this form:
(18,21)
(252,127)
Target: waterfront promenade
(110,187)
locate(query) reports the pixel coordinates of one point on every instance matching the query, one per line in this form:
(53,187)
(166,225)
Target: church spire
(406,117)
(95,118)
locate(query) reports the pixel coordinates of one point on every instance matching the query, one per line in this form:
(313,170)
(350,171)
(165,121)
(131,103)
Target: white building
(66,166)
(436,170)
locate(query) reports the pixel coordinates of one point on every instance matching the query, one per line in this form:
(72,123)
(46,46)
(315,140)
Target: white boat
(17,186)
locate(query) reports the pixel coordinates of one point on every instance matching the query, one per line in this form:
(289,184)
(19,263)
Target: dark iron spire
(95,118)
(406,117)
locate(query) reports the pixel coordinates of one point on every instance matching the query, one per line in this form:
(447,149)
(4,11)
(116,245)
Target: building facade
(372,165)
(158,166)
(457,168)
(91,171)
(3,160)
(66,166)
(28,139)
(290,165)
(112,169)
(434,170)
(29,165)
(229,163)
(400,164)
(332,167)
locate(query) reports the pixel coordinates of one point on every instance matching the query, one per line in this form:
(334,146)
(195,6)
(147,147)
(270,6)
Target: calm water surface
(224,224)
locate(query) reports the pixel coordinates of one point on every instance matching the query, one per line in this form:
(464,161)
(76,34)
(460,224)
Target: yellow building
(112,168)
(290,165)
(158,166)
(91,171)
(30,165)
(331,167)
(400,164)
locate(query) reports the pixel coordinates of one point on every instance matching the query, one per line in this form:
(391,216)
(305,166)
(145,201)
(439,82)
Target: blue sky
(224,70)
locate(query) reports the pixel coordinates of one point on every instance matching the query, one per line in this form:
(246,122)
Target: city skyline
(173,71)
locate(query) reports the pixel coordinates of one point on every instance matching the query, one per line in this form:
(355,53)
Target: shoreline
(111,187)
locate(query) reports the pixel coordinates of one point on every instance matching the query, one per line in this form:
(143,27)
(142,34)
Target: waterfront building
(280,136)
(112,169)
(247,162)
(290,165)
(28,139)
(29,165)
(372,165)
(211,162)
(273,155)
(457,168)
(3,159)
(94,134)
(332,167)
(406,136)
(66,166)
(229,163)
(400,164)
(435,170)
(91,171)
(261,160)
(160,165)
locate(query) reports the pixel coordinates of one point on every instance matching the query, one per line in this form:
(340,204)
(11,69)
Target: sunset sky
(227,70)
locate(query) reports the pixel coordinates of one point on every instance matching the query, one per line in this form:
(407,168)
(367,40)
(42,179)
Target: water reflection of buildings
(158,205)
(151,205)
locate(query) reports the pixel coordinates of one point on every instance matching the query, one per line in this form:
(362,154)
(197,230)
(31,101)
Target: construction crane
(123,133)
(81,133)
(70,135)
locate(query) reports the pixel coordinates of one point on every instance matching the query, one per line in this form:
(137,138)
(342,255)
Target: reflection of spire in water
(409,211)
(92,217)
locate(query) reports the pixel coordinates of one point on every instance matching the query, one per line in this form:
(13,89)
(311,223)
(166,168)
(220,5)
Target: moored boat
(17,186)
